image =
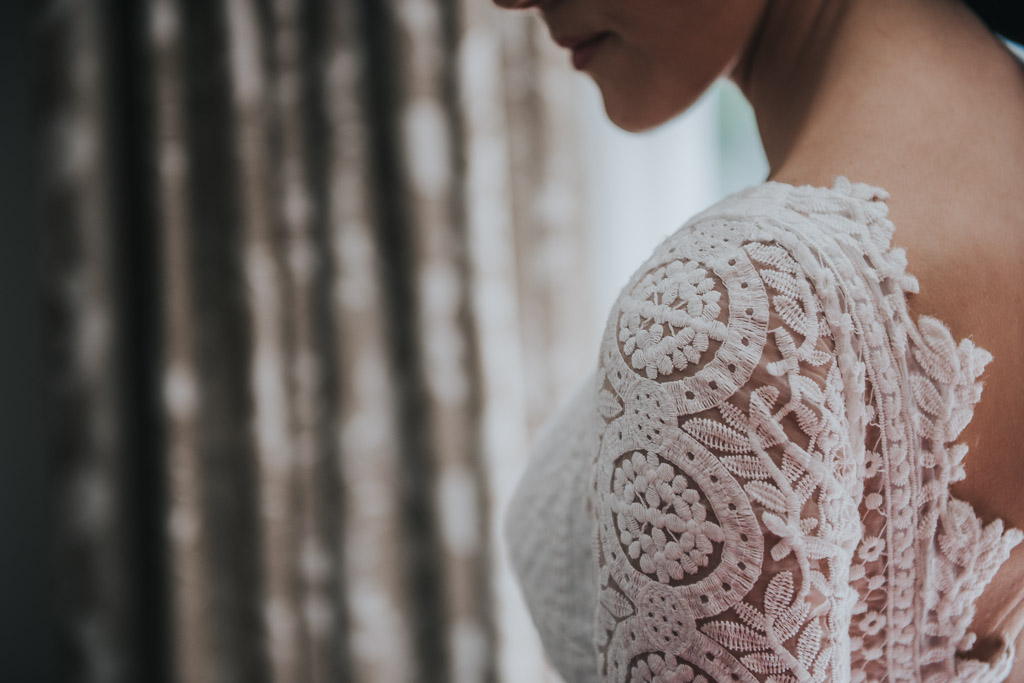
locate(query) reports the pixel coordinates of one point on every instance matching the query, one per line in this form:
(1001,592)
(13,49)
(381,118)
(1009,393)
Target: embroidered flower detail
(669,319)
(872,464)
(872,623)
(870,654)
(661,521)
(961,532)
(904,517)
(658,668)
(871,548)
(900,477)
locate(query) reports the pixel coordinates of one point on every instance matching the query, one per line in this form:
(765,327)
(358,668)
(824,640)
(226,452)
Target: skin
(661,55)
(917,97)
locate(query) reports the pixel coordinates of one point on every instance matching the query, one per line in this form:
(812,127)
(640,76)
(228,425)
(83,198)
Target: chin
(637,115)
(632,123)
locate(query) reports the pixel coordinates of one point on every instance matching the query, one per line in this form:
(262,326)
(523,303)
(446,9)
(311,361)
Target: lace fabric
(774,448)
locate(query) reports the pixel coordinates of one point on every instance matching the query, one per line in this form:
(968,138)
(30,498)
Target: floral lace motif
(771,488)
(678,297)
(661,521)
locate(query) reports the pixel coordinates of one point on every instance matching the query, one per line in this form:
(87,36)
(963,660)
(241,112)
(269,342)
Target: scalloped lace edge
(890,262)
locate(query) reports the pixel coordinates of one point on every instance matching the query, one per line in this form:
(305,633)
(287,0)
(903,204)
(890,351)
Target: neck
(835,83)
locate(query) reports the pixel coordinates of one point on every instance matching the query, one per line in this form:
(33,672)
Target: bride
(893,128)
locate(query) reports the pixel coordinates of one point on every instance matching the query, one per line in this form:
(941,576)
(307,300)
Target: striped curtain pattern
(314,276)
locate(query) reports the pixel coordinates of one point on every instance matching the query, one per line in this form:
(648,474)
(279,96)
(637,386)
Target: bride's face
(658,56)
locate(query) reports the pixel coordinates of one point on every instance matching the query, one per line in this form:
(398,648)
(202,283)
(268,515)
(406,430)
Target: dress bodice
(753,482)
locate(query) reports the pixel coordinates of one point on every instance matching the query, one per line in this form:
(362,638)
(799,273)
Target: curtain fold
(315,275)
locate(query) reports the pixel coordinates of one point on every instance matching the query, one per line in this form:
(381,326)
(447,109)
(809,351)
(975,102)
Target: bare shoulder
(968,257)
(967,252)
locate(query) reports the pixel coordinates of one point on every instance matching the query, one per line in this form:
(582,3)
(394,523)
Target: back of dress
(770,470)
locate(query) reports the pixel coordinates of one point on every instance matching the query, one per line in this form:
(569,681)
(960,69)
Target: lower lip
(582,55)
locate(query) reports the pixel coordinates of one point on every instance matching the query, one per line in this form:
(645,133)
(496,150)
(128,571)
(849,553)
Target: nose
(517,4)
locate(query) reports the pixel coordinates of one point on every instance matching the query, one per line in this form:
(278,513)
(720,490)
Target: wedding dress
(753,483)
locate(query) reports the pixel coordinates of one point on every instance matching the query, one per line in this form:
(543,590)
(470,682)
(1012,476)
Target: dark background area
(27,646)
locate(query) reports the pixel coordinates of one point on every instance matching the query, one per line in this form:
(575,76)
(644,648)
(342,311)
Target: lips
(583,47)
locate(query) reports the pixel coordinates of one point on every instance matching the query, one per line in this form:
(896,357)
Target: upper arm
(725,523)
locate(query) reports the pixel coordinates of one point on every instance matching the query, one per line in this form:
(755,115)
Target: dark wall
(27,649)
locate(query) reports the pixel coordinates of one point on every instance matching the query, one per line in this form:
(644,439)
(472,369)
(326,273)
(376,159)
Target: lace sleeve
(725,490)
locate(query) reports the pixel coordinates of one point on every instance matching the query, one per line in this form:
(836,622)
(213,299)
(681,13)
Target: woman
(769,457)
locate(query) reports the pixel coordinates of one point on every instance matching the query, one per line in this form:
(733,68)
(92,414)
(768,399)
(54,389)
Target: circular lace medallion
(672,513)
(662,521)
(661,643)
(669,319)
(695,319)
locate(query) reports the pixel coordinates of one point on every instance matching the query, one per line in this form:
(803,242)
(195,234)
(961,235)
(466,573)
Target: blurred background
(288,288)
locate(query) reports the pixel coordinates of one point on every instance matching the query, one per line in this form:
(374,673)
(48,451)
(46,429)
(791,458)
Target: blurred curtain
(314,275)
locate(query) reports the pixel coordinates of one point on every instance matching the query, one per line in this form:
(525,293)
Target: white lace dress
(753,485)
